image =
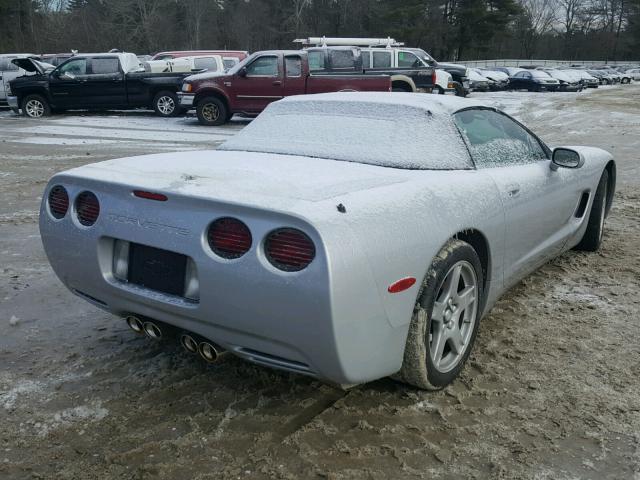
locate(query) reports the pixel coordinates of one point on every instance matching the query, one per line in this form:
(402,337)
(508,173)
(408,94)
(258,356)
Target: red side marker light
(402,285)
(158,197)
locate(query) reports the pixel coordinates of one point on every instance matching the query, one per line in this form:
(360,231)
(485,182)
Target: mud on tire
(418,368)
(592,238)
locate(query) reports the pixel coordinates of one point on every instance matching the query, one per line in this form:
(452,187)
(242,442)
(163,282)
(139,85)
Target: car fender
(210,88)
(405,79)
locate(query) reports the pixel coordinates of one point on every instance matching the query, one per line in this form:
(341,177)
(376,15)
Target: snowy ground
(551,391)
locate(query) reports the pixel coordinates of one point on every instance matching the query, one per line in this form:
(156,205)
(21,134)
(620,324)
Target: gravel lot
(550,392)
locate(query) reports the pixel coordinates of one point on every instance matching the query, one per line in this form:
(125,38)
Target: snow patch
(21,387)
(63,141)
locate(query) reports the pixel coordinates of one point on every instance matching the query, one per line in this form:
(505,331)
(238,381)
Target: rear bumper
(305,322)
(12,101)
(186,99)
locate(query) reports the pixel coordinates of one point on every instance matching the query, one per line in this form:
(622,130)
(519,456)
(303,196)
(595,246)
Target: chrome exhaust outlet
(210,352)
(152,330)
(189,343)
(135,324)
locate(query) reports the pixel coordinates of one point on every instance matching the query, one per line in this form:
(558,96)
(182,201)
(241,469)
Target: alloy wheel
(34,108)
(166,105)
(453,317)
(210,112)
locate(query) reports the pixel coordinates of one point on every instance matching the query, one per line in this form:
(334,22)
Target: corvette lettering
(149,225)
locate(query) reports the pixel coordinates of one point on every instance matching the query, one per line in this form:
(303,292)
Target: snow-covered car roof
(496,74)
(475,74)
(400,130)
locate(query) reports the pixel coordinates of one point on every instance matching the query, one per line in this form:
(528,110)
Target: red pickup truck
(265,77)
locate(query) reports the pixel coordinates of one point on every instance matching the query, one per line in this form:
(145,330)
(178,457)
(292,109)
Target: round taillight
(58,201)
(289,249)
(229,238)
(87,208)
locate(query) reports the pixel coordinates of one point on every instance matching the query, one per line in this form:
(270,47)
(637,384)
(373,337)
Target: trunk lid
(255,179)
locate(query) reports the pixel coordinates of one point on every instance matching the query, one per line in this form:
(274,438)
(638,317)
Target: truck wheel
(35,106)
(212,111)
(401,87)
(165,104)
(459,89)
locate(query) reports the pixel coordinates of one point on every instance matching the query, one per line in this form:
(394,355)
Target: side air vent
(582,206)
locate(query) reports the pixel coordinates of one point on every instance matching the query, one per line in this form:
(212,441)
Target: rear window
(383,134)
(381,59)
(539,74)
(206,63)
(342,59)
(102,66)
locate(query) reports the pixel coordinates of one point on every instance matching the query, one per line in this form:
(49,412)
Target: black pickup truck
(93,81)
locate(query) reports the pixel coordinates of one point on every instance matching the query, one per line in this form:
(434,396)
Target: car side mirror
(566,158)
(242,72)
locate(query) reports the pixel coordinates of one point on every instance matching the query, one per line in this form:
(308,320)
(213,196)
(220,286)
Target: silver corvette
(345,236)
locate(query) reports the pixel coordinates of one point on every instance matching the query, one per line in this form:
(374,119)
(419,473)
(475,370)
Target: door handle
(513,190)
(277,82)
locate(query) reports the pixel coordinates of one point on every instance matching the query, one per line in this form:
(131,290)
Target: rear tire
(212,111)
(401,87)
(592,238)
(445,323)
(36,106)
(165,104)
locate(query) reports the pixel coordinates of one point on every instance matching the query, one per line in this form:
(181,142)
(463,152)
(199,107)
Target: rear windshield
(389,135)
(539,74)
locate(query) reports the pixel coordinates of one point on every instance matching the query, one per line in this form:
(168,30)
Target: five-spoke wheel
(445,319)
(453,317)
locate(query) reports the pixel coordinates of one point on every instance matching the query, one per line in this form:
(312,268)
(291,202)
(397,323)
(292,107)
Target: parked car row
(538,78)
(218,84)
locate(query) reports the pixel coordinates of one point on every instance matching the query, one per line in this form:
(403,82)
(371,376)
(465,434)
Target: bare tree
(537,19)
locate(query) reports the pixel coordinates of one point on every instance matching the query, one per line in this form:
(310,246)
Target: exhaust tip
(209,352)
(189,343)
(152,330)
(135,324)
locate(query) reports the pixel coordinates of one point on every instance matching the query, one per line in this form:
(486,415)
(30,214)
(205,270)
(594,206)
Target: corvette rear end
(242,269)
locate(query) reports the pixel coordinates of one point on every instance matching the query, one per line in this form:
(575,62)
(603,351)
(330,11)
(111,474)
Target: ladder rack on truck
(348,42)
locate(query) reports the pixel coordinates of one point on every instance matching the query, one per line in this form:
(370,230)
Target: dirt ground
(550,392)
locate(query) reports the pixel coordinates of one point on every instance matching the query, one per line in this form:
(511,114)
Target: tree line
(448,29)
